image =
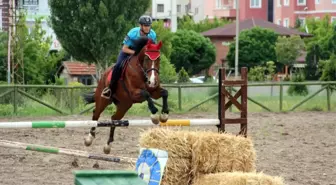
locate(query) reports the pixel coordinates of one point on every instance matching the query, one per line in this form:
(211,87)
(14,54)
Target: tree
(256,47)
(167,70)
(3,55)
(192,51)
(187,23)
(164,35)
(328,69)
(288,49)
(91,31)
(183,76)
(319,47)
(33,50)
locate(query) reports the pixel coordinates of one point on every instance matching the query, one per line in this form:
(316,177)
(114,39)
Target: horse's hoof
(155,119)
(164,117)
(88,140)
(107,149)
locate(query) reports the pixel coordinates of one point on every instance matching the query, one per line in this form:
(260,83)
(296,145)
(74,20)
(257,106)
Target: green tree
(320,46)
(187,23)
(91,31)
(298,90)
(183,76)
(328,69)
(33,50)
(257,73)
(288,49)
(165,35)
(192,51)
(3,55)
(167,70)
(256,47)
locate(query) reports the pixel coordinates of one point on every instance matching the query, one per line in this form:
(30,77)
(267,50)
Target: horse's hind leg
(118,115)
(100,106)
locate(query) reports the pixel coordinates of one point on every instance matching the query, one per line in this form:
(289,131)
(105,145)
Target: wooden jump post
(224,105)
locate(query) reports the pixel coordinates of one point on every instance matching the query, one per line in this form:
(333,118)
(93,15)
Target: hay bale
(193,153)
(177,144)
(238,178)
(214,152)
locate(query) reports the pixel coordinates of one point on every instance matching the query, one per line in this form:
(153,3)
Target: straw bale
(214,152)
(177,172)
(239,178)
(175,142)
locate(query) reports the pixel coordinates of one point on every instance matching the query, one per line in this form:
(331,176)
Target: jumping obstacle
(108,123)
(53,150)
(224,103)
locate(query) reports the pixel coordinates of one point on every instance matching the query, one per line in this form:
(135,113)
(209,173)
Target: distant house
(74,71)
(222,37)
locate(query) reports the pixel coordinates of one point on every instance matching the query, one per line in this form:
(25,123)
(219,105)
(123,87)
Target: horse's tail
(89,98)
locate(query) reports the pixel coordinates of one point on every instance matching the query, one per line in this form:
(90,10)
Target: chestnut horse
(139,82)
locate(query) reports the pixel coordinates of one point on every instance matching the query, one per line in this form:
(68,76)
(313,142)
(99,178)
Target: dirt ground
(300,147)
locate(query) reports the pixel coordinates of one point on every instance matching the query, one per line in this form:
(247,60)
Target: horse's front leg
(161,92)
(155,118)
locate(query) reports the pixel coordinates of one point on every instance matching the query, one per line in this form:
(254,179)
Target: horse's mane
(139,44)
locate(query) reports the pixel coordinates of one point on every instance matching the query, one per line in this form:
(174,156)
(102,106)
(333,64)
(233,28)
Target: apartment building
(287,11)
(161,9)
(202,9)
(4,15)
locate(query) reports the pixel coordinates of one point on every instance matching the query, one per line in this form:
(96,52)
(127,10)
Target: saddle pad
(123,67)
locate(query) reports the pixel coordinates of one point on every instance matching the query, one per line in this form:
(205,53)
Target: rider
(144,29)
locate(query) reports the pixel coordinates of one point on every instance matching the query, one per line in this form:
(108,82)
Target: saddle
(123,67)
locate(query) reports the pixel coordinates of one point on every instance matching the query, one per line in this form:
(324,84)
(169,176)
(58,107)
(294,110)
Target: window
(333,19)
(0,19)
(286,23)
(86,80)
(196,10)
(219,3)
(178,8)
(317,1)
(302,21)
(279,3)
(30,2)
(286,2)
(186,8)
(301,2)
(160,8)
(255,3)
(279,22)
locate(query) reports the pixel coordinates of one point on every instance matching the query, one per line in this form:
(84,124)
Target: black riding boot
(108,92)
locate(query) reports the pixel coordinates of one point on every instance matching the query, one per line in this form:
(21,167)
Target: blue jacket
(134,33)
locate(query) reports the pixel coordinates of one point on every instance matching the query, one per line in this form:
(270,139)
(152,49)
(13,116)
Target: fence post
(180,97)
(328,96)
(281,97)
(71,100)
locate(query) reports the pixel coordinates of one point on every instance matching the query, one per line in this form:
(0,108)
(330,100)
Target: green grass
(62,100)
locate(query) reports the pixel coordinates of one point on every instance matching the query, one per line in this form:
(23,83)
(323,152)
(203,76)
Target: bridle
(145,71)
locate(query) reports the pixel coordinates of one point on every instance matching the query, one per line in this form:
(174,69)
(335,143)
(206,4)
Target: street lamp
(237,38)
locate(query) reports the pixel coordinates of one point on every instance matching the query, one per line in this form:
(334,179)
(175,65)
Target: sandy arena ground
(301,147)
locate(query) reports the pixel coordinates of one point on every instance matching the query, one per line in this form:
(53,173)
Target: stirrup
(106,91)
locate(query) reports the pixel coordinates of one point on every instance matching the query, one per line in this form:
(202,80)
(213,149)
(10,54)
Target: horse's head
(151,63)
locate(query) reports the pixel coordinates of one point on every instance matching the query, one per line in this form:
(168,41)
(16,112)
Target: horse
(138,82)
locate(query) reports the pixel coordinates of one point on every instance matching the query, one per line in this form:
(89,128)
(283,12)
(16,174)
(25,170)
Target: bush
(167,71)
(257,73)
(299,90)
(183,76)
(6,109)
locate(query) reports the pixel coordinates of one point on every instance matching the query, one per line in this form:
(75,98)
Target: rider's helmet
(145,20)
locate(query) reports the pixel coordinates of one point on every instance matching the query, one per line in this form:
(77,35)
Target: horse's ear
(149,41)
(160,44)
